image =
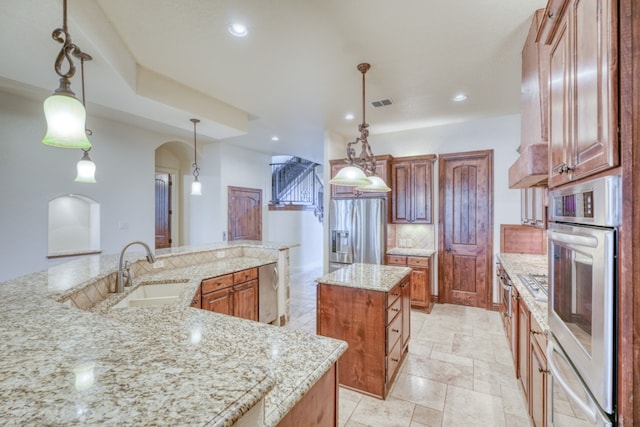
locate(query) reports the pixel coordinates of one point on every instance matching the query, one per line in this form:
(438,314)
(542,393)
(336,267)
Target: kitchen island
(69,362)
(369,307)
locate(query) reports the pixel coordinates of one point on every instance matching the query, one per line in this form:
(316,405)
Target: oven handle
(573,239)
(587,407)
(506,287)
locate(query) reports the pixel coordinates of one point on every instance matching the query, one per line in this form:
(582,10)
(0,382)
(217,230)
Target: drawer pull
(537,333)
(195,301)
(395,330)
(394,360)
(396,295)
(395,309)
(543,371)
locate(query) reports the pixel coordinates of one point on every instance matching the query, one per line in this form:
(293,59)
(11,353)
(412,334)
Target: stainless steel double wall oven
(582,307)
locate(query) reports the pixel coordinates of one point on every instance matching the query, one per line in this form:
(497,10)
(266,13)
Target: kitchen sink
(147,294)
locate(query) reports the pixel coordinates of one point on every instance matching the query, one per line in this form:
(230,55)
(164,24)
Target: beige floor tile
(427,416)
(453,358)
(351,395)
(473,346)
(383,413)
(419,390)
(495,373)
(438,370)
(469,408)
(517,421)
(513,401)
(420,347)
(352,423)
(345,410)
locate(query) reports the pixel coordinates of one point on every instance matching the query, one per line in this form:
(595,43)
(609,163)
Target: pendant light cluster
(196,186)
(64,113)
(355,175)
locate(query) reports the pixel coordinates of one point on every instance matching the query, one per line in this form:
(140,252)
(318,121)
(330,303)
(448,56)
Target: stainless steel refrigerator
(358,232)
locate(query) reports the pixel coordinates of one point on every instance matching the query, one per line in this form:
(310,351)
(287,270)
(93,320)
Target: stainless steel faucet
(124,275)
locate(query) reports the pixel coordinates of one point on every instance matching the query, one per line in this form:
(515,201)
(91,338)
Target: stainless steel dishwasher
(268,293)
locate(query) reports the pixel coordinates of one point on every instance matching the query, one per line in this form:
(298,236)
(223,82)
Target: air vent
(382,102)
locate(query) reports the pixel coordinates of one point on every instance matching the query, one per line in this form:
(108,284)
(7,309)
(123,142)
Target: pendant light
(354,175)
(196,186)
(86,169)
(65,115)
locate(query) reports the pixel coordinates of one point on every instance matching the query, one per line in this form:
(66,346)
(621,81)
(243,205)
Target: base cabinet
(421,295)
(375,324)
(232,294)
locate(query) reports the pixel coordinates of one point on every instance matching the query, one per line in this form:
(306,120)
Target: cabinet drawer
(393,295)
(538,334)
(396,260)
(245,275)
(215,283)
(394,332)
(394,310)
(393,360)
(418,261)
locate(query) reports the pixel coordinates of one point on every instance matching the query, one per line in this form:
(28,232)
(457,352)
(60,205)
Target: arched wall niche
(74,226)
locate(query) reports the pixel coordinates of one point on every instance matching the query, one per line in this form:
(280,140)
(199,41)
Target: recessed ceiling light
(459,97)
(238,29)
(349,116)
(275,138)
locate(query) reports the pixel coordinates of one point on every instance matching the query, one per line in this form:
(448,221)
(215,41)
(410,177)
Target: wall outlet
(220,254)
(224,236)
(409,243)
(158,264)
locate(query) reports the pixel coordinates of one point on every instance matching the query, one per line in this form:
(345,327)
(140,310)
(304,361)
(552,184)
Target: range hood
(532,167)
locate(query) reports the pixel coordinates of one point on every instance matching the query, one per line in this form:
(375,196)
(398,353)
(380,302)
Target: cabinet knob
(395,309)
(395,360)
(550,14)
(448,250)
(543,371)
(395,330)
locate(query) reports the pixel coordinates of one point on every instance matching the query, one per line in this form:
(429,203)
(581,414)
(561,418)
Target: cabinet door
(421,192)
(401,196)
(419,288)
(514,333)
(406,312)
(559,104)
(538,390)
(523,346)
(219,301)
(245,300)
(539,203)
(594,100)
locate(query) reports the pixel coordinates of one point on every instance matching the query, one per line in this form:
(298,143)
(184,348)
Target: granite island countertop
(515,264)
(373,277)
(161,365)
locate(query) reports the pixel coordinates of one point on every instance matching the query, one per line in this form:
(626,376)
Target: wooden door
(219,301)
(466,229)
(245,300)
(595,84)
(559,101)
(245,213)
(163,210)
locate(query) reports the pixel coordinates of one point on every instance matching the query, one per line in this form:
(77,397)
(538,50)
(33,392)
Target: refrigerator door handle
(586,407)
(355,234)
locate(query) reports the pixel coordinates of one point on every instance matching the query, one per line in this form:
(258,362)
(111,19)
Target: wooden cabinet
(538,375)
(196,302)
(583,94)
(421,295)
(412,190)
(523,346)
(514,332)
(383,163)
(533,206)
(375,324)
(232,294)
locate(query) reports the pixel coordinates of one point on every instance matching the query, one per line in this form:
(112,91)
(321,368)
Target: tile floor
(458,371)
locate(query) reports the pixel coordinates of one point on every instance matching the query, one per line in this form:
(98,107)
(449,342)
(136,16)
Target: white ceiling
(159,62)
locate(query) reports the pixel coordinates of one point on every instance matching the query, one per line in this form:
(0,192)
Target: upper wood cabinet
(344,192)
(412,190)
(534,102)
(583,96)
(533,206)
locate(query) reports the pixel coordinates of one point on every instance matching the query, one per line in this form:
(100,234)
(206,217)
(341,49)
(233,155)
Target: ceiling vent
(382,102)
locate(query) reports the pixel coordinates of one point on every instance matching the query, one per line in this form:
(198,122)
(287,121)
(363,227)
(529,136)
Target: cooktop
(536,284)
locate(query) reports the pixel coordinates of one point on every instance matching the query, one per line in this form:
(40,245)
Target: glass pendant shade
(350,176)
(86,170)
(377,186)
(66,118)
(196,188)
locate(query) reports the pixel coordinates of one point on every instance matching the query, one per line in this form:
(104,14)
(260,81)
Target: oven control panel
(594,202)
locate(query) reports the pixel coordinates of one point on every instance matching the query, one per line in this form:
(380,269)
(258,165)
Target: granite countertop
(367,276)
(515,264)
(411,252)
(158,365)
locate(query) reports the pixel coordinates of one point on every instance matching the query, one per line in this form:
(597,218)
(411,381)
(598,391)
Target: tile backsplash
(418,236)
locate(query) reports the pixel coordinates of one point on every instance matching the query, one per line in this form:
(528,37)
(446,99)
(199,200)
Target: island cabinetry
(347,192)
(232,294)
(412,190)
(375,324)
(421,296)
(583,93)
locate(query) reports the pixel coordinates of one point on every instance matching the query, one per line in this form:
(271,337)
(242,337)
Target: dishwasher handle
(275,279)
